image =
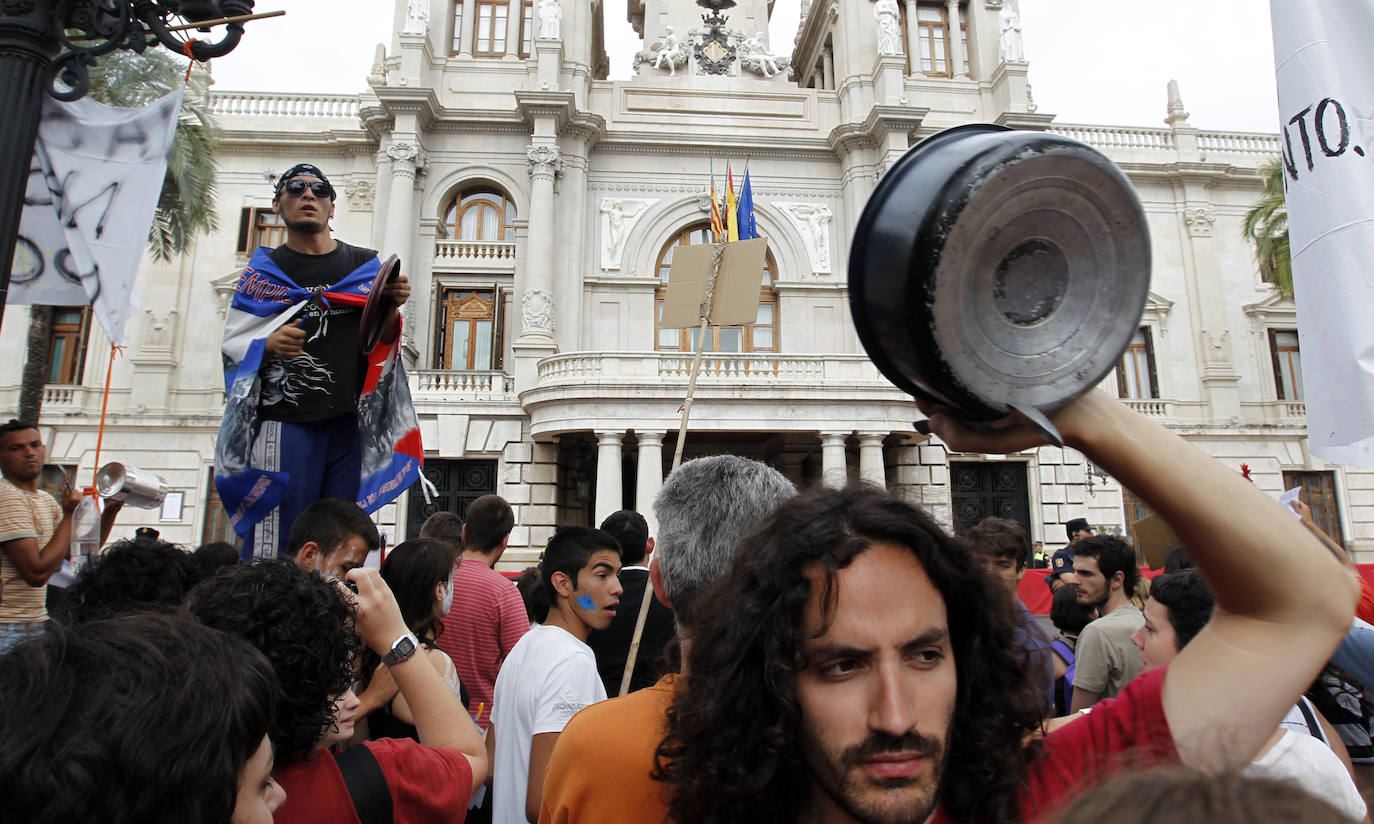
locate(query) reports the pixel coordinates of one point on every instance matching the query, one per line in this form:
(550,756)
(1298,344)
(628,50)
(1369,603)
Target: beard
(309,226)
(901,800)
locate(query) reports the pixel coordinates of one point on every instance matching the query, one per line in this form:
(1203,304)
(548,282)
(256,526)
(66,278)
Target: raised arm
(440,718)
(35,563)
(1283,602)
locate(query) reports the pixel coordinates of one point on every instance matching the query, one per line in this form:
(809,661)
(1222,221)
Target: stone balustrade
(1117,137)
(448,251)
(274,104)
(716,368)
(460,385)
(1238,143)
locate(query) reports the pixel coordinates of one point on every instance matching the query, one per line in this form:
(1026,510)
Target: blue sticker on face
(586,602)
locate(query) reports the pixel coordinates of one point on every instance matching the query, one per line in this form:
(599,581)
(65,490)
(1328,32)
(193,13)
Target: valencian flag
(717,227)
(747,228)
(731,216)
(389,433)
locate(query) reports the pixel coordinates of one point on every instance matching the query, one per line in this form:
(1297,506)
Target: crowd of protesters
(769,655)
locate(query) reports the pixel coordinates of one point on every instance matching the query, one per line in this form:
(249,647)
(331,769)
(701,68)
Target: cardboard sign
(736,301)
(1153,537)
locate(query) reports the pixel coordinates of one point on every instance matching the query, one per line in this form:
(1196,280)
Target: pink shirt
(485,621)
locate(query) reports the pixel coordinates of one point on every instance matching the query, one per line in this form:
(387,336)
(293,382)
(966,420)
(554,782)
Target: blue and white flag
(389,432)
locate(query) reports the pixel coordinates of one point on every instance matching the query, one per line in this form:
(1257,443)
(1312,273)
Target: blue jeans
(12,635)
(324,460)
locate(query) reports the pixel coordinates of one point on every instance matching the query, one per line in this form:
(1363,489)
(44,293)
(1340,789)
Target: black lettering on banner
(1302,132)
(1319,121)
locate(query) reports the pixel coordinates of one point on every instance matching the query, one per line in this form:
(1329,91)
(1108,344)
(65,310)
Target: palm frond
(1266,225)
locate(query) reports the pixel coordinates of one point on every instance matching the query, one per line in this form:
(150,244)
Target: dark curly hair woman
(304,628)
(769,718)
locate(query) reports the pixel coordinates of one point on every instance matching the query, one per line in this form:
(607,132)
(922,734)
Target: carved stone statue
(620,215)
(888,19)
(550,19)
(377,77)
(417,17)
(666,52)
(754,56)
(1177,116)
(813,221)
(1009,41)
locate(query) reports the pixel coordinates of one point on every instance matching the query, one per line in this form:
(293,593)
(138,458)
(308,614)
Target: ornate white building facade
(536,204)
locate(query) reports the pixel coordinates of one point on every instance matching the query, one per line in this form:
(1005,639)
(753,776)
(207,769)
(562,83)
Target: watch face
(403,648)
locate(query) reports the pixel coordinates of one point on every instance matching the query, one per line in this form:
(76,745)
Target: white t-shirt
(547,678)
(1308,763)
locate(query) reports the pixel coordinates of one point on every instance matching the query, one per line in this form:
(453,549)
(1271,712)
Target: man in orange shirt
(704,509)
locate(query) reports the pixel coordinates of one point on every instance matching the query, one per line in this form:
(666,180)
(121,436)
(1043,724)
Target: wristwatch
(401,649)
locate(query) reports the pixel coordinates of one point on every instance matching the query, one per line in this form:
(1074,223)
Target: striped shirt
(24,514)
(481,628)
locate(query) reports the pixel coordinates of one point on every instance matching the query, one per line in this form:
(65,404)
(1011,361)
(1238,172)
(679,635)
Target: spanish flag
(717,227)
(731,218)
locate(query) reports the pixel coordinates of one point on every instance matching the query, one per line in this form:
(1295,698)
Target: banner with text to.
(1325,70)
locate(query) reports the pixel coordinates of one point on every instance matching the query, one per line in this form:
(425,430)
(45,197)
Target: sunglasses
(296,188)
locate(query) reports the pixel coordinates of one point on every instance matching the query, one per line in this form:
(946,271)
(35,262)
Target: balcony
(492,254)
(765,392)
(67,399)
(445,387)
(1277,412)
(284,106)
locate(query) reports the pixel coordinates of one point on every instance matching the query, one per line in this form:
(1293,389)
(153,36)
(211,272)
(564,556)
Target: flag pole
(716,256)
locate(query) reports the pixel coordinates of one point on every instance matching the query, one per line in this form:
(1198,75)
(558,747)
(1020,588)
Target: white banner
(92,191)
(1325,69)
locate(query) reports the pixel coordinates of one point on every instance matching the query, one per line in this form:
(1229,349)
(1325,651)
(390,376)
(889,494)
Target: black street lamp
(48,47)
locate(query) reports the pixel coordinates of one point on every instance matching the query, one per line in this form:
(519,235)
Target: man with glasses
(295,372)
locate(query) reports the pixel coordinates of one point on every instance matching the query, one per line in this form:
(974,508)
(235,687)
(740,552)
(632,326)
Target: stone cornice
(560,105)
(697,145)
(419,101)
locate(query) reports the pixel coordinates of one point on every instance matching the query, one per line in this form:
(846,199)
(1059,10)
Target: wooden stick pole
(696,360)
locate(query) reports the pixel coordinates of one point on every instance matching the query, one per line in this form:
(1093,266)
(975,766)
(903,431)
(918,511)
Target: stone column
(379,206)
(871,468)
(957,67)
(609,492)
(913,38)
(406,158)
(513,20)
(834,472)
(536,304)
(827,69)
(469,24)
(650,477)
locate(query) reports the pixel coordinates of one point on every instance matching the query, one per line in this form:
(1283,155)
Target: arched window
(759,336)
(480,213)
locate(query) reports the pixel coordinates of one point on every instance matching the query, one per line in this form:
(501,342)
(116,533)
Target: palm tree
(1266,224)
(186,205)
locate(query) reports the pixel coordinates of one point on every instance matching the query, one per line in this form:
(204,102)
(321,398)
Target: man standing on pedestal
(310,415)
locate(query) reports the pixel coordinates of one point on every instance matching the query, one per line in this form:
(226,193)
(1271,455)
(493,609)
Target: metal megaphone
(134,486)
(995,270)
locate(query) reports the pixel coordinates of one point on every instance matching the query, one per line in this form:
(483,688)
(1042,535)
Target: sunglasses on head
(296,188)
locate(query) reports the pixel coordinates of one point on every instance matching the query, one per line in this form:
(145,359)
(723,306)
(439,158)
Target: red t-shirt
(427,785)
(1365,609)
(481,628)
(1128,732)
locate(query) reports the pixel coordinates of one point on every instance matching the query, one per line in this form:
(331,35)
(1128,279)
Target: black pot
(995,270)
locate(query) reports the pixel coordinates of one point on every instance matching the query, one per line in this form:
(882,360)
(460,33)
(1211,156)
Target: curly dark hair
(304,625)
(738,760)
(131,576)
(128,720)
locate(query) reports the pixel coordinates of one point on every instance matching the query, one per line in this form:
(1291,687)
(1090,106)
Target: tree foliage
(1266,225)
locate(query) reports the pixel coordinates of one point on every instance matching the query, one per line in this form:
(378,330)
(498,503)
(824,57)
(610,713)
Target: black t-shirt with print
(325,379)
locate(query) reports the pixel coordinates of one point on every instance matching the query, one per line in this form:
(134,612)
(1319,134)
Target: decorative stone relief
(992,4)
(361,195)
(664,53)
(536,311)
(158,333)
(550,19)
(1199,220)
(888,19)
(812,221)
(544,160)
(1217,347)
(755,57)
(1009,46)
(417,17)
(403,150)
(618,217)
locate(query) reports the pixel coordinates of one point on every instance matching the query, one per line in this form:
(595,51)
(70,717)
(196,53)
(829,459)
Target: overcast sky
(1091,61)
